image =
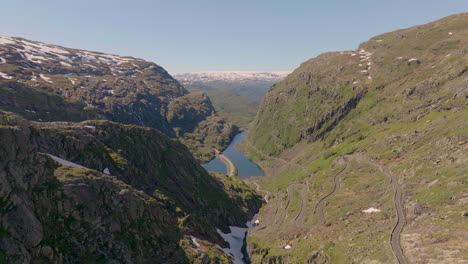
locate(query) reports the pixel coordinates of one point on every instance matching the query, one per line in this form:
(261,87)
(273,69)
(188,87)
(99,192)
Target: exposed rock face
(117,88)
(155,196)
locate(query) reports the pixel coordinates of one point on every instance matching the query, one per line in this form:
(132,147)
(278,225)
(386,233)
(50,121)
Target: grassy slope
(236,109)
(411,118)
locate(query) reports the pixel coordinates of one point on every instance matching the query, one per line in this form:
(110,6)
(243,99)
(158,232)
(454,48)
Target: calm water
(245,167)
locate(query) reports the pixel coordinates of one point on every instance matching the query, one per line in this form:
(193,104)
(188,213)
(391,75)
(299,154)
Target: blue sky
(201,35)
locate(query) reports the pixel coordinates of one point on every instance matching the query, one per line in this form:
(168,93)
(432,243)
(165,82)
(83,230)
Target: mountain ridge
(394,110)
(119,88)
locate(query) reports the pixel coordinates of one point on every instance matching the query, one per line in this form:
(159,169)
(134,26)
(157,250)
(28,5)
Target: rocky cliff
(103,192)
(366,153)
(121,89)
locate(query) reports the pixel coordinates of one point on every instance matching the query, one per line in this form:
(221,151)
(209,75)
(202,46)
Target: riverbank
(245,168)
(231,168)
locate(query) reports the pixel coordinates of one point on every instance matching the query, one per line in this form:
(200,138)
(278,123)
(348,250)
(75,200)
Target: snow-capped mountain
(230,76)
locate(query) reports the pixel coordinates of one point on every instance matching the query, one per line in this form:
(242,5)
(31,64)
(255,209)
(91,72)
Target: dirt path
(267,193)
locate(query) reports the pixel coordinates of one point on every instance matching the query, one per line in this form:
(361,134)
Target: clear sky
(202,35)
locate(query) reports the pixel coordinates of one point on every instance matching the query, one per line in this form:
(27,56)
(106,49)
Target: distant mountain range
(230,76)
(235,94)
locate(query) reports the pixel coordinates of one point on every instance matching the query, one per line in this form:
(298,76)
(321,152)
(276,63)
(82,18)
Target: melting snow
(66,162)
(371,210)
(65,64)
(106,171)
(5,76)
(2,60)
(92,127)
(47,79)
(236,240)
(194,241)
(7,41)
(412,59)
(287,247)
(34,58)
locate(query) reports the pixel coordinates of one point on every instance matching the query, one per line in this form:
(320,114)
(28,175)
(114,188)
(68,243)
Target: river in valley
(245,167)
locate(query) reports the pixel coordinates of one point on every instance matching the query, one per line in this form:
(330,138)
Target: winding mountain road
(401,221)
(320,206)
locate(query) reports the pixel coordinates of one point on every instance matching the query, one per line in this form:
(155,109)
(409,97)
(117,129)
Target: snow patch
(65,64)
(2,60)
(236,240)
(371,210)
(47,79)
(5,76)
(106,171)
(66,162)
(34,58)
(91,127)
(287,246)
(194,241)
(7,41)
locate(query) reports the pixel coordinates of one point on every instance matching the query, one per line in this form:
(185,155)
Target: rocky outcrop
(117,88)
(151,198)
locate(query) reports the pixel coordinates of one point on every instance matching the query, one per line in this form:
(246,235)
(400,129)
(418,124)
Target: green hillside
(350,138)
(236,109)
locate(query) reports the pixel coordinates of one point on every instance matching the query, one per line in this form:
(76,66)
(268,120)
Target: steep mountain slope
(235,95)
(366,152)
(135,197)
(121,89)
